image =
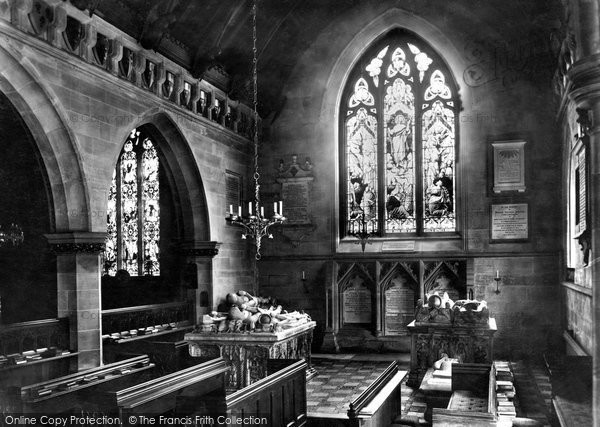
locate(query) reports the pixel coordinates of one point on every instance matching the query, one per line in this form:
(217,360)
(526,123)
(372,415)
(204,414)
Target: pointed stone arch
(44,118)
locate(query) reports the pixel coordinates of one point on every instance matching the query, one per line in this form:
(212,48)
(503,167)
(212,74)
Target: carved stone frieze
(76,242)
(76,248)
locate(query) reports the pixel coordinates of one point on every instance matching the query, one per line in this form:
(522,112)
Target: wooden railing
(167,315)
(31,352)
(21,337)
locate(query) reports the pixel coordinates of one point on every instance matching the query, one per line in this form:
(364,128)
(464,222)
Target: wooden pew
(67,393)
(473,399)
(178,393)
(280,398)
(379,404)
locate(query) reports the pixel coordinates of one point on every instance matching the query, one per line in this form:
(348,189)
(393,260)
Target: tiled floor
(341,378)
(337,383)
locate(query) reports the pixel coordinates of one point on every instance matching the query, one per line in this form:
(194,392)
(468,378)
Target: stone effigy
(470,312)
(441,309)
(248,314)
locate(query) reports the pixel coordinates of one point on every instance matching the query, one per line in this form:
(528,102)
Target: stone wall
(79,112)
(505,89)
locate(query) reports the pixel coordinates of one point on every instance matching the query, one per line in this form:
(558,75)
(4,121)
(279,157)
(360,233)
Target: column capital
(198,248)
(584,79)
(76,242)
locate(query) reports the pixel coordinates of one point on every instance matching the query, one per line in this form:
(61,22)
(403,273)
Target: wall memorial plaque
(295,201)
(356,303)
(399,307)
(295,180)
(509,222)
(509,166)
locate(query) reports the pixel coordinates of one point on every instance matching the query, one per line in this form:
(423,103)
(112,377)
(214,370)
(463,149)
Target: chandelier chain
(255,104)
(256,225)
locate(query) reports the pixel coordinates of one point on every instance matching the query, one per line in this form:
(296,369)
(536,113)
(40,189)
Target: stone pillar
(197,277)
(78,262)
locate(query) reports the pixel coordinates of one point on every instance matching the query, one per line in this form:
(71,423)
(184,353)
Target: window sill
(406,244)
(408,237)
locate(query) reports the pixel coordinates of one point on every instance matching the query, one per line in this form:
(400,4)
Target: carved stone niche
(399,291)
(356,298)
(446,276)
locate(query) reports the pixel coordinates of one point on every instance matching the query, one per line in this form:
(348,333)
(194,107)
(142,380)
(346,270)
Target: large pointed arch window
(398,141)
(133,213)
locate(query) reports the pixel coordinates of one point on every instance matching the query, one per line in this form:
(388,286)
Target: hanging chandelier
(13,235)
(255,224)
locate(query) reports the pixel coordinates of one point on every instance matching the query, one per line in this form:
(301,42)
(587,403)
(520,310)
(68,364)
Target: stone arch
(39,108)
(186,181)
(354,50)
(391,19)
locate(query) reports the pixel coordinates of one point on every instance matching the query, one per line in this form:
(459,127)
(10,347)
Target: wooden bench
(67,393)
(473,398)
(179,393)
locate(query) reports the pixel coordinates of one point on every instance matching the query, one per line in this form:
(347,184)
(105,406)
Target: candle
(275,208)
(250,208)
(497,274)
(230,209)
(239,210)
(262,211)
(303,275)
(280,207)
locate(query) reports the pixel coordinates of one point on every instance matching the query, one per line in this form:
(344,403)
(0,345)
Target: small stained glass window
(133,210)
(398,146)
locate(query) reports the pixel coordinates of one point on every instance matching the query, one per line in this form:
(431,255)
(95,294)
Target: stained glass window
(133,210)
(399,124)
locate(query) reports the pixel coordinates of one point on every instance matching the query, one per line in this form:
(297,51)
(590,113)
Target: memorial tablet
(356,304)
(399,307)
(509,222)
(509,166)
(295,201)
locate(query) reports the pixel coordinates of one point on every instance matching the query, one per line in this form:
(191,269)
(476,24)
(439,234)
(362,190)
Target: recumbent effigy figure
(248,313)
(436,309)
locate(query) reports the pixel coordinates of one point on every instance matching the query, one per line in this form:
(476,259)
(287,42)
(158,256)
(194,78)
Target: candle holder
(497,280)
(304,282)
(256,226)
(363,235)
